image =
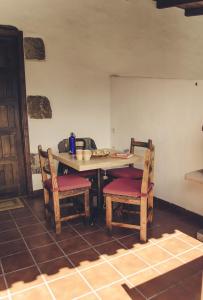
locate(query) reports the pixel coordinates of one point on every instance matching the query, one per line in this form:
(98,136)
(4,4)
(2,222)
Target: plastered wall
(171,113)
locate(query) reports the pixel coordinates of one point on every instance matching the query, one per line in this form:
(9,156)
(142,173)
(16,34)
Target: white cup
(87,154)
(79,154)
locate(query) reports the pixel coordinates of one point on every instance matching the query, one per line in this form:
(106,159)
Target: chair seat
(125,187)
(68,182)
(127,172)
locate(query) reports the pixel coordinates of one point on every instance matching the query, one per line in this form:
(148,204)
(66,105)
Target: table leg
(99,190)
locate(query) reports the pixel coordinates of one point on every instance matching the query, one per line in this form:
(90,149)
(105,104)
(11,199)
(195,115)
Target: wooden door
(12,162)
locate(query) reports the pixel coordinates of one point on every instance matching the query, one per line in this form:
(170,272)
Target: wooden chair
(57,188)
(133,192)
(130,171)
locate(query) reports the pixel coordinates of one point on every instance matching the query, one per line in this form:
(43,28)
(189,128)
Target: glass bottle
(72,144)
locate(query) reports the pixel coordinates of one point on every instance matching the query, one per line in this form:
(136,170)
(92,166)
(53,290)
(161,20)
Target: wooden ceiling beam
(189,12)
(170,3)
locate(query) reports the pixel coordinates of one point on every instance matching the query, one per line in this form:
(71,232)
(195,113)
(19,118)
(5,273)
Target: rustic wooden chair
(130,171)
(57,188)
(133,192)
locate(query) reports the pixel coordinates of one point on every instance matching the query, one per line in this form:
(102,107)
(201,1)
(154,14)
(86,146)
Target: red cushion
(128,172)
(68,182)
(89,173)
(125,187)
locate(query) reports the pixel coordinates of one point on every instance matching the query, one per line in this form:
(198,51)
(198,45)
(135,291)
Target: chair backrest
(148,172)
(135,143)
(81,143)
(47,167)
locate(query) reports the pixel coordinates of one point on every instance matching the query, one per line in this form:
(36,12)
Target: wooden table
(96,163)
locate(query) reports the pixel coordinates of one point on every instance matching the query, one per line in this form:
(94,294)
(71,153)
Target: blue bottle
(72,145)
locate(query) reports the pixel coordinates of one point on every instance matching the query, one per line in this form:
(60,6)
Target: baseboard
(187,214)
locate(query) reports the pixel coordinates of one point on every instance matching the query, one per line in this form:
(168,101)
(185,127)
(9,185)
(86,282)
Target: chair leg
(143,219)
(57,213)
(151,204)
(46,203)
(109,213)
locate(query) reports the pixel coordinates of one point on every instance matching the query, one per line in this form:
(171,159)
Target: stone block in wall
(35,166)
(39,107)
(34,48)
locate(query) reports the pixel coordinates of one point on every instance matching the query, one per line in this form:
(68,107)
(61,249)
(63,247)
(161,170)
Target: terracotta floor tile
(85,229)
(101,275)
(175,271)
(69,287)
(85,258)
(4,216)
(31,230)
(120,291)
(9,235)
(193,285)
(98,237)
(12,247)
(7,225)
(73,245)
(45,253)
(56,268)
(23,279)
(39,293)
(39,240)
(26,221)
(158,234)
(66,233)
(89,297)
(3,289)
(21,213)
(174,245)
(153,254)
(111,249)
(133,242)
(152,286)
(191,255)
(189,239)
(128,264)
(176,292)
(201,247)
(169,265)
(118,232)
(17,261)
(143,276)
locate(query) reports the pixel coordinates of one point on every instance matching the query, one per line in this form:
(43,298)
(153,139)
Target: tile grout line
(5,281)
(43,278)
(117,239)
(176,255)
(154,266)
(109,263)
(77,270)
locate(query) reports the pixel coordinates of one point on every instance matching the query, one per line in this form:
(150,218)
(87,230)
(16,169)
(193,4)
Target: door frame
(9,31)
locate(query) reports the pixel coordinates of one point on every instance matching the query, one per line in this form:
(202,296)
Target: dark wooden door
(12,162)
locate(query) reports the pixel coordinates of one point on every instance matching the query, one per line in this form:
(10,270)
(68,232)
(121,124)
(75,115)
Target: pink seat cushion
(68,182)
(125,187)
(126,173)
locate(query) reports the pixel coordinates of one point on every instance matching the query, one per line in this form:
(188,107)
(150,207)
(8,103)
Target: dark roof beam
(189,12)
(171,3)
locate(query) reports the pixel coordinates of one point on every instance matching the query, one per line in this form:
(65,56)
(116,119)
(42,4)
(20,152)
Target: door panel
(12,169)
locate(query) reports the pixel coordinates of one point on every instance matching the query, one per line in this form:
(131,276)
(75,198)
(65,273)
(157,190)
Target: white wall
(171,113)
(80,101)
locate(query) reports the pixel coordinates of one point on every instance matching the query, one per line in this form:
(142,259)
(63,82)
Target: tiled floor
(85,263)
